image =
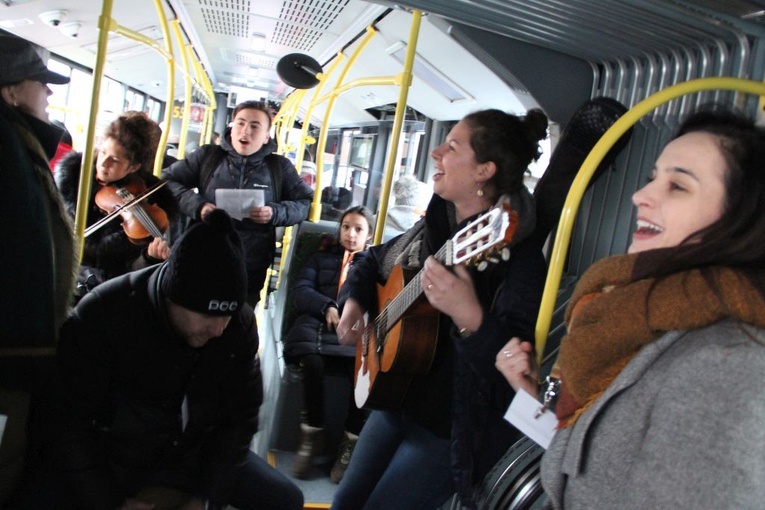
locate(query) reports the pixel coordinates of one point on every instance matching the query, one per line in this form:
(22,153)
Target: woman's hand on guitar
(158,249)
(452,293)
(516,361)
(350,327)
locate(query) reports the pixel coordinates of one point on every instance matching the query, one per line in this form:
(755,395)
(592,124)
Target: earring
(479,192)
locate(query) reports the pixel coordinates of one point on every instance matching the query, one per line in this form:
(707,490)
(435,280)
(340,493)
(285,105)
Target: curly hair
(138,135)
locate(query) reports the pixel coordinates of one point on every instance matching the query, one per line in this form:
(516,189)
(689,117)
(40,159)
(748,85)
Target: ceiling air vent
(226,17)
(248,59)
(302,22)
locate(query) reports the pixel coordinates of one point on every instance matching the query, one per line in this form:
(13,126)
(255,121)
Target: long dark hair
(510,141)
(737,238)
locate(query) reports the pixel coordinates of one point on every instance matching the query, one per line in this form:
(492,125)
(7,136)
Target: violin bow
(124,207)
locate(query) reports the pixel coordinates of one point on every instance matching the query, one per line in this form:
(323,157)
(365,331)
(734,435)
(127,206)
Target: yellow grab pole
(398,123)
(170,87)
(86,173)
(182,140)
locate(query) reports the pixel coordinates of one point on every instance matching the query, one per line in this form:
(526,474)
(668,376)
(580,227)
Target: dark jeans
(313,367)
(253,486)
(396,464)
(260,487)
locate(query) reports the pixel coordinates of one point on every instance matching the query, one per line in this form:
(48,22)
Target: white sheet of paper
(239,202)
(521,415)
(3,421)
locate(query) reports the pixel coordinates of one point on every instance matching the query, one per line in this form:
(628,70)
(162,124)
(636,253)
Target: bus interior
(363,91)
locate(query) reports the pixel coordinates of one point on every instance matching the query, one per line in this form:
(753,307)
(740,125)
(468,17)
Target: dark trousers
(314,367)
(253,485)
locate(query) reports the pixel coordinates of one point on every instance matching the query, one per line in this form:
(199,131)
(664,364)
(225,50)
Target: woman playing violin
(122,170)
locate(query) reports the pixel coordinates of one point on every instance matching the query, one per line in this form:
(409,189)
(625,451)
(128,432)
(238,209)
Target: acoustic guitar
(401,341)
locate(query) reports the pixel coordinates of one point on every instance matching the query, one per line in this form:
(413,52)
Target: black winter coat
(39,259)
(315,290)
(123,374)
(109,249)
(243,172)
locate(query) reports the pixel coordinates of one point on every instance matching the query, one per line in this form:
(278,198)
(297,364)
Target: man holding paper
(243,175)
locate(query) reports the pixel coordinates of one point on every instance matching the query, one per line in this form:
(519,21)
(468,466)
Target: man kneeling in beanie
(157,390)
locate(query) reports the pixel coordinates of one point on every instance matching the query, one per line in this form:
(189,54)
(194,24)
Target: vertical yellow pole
(170,87)
(187,91)
(86,173)
(398,123)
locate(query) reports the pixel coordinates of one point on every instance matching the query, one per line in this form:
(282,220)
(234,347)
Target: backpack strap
(272,160)
(210,162)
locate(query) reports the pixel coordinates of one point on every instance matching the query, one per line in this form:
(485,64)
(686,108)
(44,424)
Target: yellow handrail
(182,139)
(86,173)
(596,155)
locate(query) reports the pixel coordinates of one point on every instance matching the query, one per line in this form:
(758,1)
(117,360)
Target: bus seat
(286,429)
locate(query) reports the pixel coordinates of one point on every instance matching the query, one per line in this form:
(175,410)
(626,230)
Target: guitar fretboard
(399,305)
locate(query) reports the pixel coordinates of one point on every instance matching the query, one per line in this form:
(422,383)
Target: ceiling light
(258,42)
(425,71)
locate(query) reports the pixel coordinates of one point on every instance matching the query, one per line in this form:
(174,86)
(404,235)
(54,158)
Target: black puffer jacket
(118,395)
(109,249)
(315,290)
(235,171)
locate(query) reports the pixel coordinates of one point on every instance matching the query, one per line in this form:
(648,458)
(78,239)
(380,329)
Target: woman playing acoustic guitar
(123,162)
(441,427)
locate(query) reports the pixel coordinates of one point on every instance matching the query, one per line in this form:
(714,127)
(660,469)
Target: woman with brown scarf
(658,403)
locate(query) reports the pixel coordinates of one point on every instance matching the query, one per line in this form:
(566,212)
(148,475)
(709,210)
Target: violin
(141,222)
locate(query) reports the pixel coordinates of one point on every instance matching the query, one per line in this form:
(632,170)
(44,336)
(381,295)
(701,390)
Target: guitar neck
(399,305)
(469,245)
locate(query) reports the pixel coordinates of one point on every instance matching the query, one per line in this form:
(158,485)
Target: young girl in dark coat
(125,158)
(312,341)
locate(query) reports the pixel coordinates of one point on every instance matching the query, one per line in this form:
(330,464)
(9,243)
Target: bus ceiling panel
(603,29)
(448,82)
(236,35)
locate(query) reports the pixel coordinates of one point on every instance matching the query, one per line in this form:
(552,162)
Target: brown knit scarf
(613,314)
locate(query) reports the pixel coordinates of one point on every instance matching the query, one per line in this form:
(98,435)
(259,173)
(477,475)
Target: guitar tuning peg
(505,254)
(482,265)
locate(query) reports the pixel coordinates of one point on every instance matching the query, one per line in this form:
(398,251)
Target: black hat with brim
(19,61)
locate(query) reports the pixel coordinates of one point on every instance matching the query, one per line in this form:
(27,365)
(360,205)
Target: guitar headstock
(483,238)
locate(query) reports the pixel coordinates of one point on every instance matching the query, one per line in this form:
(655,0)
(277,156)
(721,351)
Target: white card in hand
(521,414)
(239,202)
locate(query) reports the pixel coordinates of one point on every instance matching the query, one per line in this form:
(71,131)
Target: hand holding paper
(239,202)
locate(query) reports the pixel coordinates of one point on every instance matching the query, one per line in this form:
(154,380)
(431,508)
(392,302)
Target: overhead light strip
(426,72)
